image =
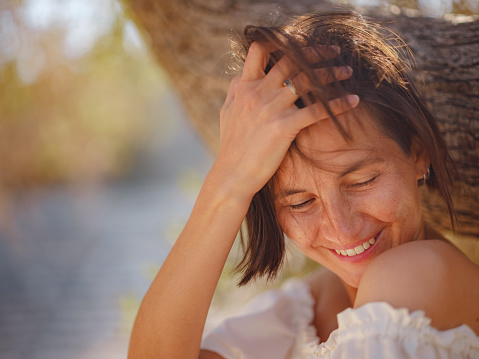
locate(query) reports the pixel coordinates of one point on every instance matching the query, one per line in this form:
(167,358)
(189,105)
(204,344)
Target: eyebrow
(288,192)
(354,167)
(360,164)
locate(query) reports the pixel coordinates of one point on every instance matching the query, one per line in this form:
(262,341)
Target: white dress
(278,325)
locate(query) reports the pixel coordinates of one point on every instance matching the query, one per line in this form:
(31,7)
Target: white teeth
(356,250)
(359,249)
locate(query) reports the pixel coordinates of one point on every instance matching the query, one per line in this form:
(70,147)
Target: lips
(351,252)
(359,252)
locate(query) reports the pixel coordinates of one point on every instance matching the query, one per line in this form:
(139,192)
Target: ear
(421,158)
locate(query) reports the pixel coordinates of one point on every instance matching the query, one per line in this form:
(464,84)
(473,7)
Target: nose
(341,222)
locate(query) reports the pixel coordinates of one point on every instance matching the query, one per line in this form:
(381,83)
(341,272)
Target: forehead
(325,138)
(324,146)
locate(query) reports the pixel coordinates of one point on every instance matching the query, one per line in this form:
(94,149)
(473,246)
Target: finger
(256,61)
(301,84)
(282,70)
(309,115)
(286,68)
(324,76)
(321,53)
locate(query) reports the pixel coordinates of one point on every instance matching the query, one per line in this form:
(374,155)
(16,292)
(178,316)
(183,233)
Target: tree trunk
(190,40)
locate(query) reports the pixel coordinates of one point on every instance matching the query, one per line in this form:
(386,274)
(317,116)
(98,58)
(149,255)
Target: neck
(351,292)
(431,233)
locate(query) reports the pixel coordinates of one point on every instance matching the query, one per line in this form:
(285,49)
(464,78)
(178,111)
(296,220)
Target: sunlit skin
(356,191)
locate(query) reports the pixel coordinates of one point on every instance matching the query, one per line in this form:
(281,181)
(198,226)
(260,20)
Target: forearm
(172,315)
(258,123)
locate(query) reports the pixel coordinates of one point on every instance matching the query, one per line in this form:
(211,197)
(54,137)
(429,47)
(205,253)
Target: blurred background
(99,169)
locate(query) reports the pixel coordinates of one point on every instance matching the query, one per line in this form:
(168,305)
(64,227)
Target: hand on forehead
(324,136)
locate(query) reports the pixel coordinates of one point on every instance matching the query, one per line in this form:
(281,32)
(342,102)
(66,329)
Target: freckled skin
(339,212)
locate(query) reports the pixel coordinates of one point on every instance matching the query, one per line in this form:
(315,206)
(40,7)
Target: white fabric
(278,325)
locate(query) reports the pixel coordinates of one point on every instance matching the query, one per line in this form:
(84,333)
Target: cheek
(397,200)
(301,230)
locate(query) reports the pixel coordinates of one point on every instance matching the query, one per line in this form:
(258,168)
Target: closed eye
(362,184)
(302,204)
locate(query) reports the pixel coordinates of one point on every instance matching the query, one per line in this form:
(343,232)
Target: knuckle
(284,64)
(302,83)
(255,47)
(276,128)
(253,97)
(324,76)
(313,54)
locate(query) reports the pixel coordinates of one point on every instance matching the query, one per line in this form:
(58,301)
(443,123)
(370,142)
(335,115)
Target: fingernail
(353,100)
(347,70)
(336,48)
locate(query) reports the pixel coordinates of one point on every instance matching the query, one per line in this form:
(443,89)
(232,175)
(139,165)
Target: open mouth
(351,252)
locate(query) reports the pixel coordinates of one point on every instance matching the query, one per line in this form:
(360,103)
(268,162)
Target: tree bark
(190,41)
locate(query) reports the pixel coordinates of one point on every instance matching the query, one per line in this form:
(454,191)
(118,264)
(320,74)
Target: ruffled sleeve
(274,325)
(377,330)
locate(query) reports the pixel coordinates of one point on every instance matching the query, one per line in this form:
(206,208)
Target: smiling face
(359,198)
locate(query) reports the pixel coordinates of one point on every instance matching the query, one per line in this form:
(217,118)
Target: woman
(325,139)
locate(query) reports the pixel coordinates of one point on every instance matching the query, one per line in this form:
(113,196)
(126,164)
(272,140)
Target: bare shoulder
(430,275)
(432,255)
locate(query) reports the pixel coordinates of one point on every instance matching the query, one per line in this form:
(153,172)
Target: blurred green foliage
(67,117)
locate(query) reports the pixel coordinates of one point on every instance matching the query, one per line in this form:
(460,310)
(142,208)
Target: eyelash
(357,185)
(364,183)
(301,205)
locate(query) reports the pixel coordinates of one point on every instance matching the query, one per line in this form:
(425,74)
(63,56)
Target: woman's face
(359,198)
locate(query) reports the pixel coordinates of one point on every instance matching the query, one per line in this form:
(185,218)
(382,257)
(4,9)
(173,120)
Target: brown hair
(381,81)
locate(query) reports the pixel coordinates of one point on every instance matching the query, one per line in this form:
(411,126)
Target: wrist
(224,185)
